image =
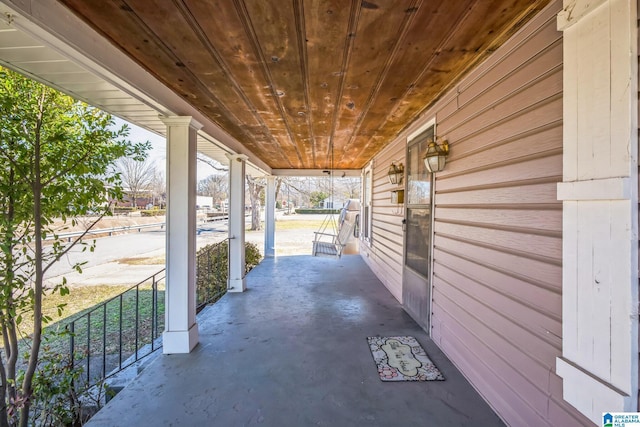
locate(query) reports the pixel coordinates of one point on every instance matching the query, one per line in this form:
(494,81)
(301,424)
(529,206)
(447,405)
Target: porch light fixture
(396,173)
(436,156)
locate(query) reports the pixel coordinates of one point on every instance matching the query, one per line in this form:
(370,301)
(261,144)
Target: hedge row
(317,211)
(153,212)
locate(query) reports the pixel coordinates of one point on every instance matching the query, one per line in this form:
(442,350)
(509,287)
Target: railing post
(137,318)
(154,311)
(104,340)
(72,332)
(210,256)
(120,334)
(88,347)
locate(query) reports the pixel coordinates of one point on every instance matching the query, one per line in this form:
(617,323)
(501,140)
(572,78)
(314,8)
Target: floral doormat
(402,359)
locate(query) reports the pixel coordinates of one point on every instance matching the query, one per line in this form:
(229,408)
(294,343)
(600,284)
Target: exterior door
(416,291)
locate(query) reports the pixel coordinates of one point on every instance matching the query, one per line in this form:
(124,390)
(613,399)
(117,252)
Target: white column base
(237,285)
(176,342)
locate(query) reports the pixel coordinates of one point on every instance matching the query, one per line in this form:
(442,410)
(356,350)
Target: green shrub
(212,269)
(56,395)
(252,256)
(153,212)
(317,211)
(123,209)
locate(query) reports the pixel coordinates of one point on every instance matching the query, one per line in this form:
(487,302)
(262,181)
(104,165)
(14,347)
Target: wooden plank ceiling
(308,84)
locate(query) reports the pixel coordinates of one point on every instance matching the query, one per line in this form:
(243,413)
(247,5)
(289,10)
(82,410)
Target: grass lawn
(157,260)
(79,299)
(300,224)
(101,327)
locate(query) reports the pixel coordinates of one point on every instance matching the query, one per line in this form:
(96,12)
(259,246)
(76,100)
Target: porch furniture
(333,244)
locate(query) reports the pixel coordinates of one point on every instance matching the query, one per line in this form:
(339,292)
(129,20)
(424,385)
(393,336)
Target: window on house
(367,184)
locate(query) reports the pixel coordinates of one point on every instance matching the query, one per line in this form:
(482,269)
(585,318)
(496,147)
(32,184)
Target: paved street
(110,263)
(102,266)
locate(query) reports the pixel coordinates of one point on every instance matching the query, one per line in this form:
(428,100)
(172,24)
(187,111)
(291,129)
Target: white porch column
(237,163)
(599,363)
(270,219)
(181,330)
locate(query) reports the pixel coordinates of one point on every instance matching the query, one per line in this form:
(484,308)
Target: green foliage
(153,212)
(317,211)
(278,204)
(212,269)
(56,157)
(252,256)
(317,197)
(55,389)
(123,209)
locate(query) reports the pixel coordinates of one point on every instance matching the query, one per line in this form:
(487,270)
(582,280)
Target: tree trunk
(279,180)
(36,339)
(254,196)
(4,421)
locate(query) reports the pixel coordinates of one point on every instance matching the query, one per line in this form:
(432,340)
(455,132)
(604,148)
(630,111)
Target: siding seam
(510,228)
(504,184)
(522,112)
(489,367)
(509,251)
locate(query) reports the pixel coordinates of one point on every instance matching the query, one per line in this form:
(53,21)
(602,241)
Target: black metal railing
(119,332)
(126,328)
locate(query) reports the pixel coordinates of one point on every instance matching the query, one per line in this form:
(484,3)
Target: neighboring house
(204,202)
(335,202)
(520,257)
(144,199)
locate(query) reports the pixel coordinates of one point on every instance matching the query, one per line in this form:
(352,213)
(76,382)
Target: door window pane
(418,178)
(418,198)
(418,240)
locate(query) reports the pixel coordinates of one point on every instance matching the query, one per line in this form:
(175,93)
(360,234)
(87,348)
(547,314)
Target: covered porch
(292,351)
(527,243)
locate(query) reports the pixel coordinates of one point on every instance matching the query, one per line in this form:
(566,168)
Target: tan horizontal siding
(498,230)
(540,286)
(540,219)
(504,129)
(385,254)
(497,285)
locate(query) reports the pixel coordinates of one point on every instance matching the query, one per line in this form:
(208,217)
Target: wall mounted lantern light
(396,173)
(436,156)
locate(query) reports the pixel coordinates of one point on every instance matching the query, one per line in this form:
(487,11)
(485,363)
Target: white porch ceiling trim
(46,42)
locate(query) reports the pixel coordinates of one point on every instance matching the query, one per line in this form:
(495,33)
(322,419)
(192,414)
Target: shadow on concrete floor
(292,351)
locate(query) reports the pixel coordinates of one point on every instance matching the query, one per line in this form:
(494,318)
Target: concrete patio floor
(292,351)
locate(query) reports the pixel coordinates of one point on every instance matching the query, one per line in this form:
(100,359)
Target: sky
(158,147)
